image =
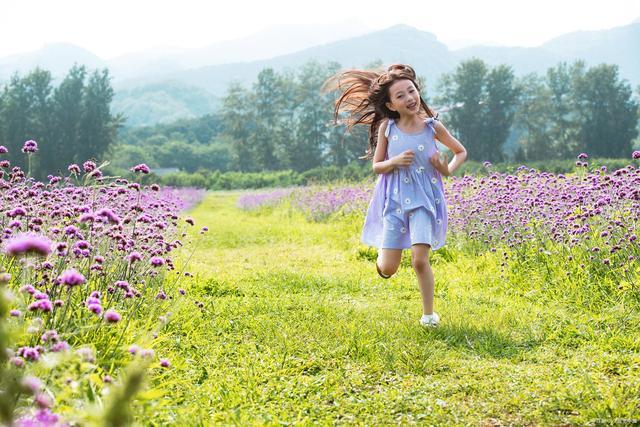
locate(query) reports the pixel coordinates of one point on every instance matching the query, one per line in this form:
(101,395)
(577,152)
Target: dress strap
(386,132)
(430,121)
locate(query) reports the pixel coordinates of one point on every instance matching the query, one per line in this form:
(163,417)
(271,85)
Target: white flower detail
(435,242)
(439,221)
(406,179)
(403,230)
(395,191)
(437,201)
(420,147)
(411,215)
(407,201)
(398,211)
(434,180)
(394,138)
(420,169)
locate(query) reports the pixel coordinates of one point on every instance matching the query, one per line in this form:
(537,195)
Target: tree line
(569,110)
(283,121)
(71,122)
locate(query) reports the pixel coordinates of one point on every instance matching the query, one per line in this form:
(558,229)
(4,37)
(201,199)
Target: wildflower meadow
(124,302)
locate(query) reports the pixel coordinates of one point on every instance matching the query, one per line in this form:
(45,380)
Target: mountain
(430,57)
(162,103)
(399,43)
(164,84)
(262,45)
(57,58)
(619,46)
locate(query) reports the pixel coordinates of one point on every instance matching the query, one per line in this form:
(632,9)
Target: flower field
(84,258)
(119,307)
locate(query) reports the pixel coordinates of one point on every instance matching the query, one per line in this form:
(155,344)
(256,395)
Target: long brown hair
(364,95)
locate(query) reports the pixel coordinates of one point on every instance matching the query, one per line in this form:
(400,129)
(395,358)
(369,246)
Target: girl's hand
(403,159)
(441,163)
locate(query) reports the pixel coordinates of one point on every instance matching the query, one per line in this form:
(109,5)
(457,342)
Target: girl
(408,205)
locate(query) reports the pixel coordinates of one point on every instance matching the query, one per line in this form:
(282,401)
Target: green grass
(298,328)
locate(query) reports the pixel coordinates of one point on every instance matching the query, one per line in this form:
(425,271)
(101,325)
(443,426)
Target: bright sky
(110,28)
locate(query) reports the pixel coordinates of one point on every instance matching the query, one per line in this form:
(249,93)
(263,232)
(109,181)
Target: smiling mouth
(412,106)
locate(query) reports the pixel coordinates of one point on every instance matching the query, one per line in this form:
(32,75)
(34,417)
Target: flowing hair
(364,95)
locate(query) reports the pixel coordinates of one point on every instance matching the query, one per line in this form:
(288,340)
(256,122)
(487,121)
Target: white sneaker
(431,320)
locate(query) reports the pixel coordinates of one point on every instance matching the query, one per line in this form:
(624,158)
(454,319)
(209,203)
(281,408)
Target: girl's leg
(420,263)
(389,260)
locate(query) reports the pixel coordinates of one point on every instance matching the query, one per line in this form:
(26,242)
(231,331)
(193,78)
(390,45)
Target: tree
(269,105)
(313,120)
(67,110)
(608,112)
(564,121)
(483,105)
(239,125)
(534,117)
(499,107)
(97,127)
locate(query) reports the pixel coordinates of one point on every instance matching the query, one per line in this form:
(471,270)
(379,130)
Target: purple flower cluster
(142,168)
(253,201)
(318,203)
(571,210)
(30,147)
(57,236)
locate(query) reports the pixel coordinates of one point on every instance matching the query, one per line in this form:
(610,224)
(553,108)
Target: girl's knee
(388,269)
(420,264)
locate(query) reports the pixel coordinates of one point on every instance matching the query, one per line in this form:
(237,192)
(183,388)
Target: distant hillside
(167,91)
(396,44)
(430,57)
(162,103)
(57,58)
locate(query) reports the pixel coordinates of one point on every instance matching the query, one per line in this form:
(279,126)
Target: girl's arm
(458,150)
(380,165)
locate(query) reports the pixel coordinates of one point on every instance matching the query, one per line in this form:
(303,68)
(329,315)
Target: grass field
(297,328)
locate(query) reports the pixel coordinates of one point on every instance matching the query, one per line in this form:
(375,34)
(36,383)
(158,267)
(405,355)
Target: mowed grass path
(297,328)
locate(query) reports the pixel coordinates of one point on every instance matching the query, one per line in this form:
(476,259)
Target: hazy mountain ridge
(163,84)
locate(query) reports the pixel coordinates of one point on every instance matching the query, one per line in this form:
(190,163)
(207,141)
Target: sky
(115,27)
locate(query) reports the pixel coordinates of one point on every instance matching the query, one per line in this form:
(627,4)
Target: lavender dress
(419,185)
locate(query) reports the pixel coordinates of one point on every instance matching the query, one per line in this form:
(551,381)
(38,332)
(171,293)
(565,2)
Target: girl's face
(404,98)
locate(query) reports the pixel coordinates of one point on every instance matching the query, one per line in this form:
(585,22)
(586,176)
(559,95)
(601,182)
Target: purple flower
(42,417)
(3,149)
(95,308)
(583,156)
(165,363)
(71,278)
(89,166)
(17,362)
(28,244)
(15,313)
(156,261)
(133,257)
(31,384)
(30,146)
(60,346)
(112,316)
(109,215)
(29,353)
(635,155)
(141,168)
